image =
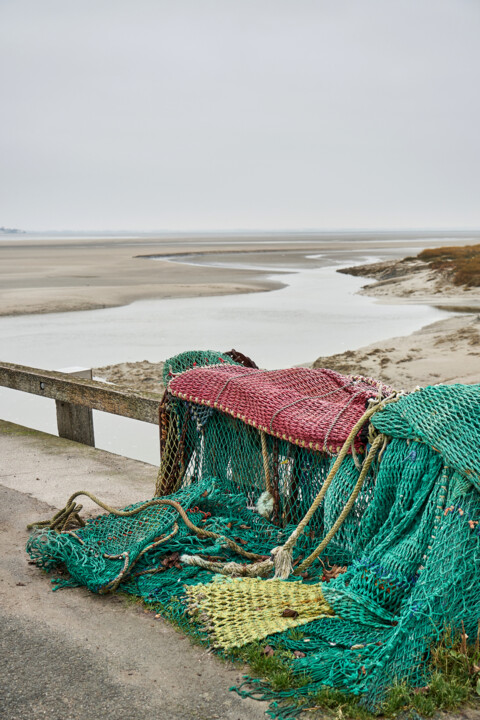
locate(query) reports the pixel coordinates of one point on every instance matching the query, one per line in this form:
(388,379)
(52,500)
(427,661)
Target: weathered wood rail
(72,394)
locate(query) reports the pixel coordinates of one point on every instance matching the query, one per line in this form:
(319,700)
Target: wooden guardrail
(75,394)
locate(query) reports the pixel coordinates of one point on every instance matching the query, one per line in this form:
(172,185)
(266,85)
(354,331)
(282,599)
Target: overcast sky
(215,114)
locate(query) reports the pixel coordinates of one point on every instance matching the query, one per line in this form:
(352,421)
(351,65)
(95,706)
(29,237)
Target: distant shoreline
(211,240)
(71,275)
(65,275)
(447,351)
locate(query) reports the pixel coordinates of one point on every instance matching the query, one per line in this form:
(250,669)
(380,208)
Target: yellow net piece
(237,611)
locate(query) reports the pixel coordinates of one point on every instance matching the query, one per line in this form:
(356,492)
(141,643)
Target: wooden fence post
(75,422)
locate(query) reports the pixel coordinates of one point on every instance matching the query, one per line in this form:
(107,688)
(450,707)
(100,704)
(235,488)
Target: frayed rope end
(283,562)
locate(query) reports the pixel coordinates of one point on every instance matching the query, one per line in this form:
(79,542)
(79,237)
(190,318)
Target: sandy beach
(412,281)
(61,276)
(64,274)
(447,351)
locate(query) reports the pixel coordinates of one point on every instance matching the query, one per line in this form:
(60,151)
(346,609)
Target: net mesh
(243,610)
(402,566)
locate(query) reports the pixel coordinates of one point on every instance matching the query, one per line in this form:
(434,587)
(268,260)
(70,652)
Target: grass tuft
(454,682)
(454,676)
(460,264)
(274,669)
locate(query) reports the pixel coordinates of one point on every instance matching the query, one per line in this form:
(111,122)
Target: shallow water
(317,313)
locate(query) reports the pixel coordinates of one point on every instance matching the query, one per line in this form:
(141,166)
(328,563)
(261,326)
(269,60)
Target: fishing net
(191,358)
(242,610)
(364,501)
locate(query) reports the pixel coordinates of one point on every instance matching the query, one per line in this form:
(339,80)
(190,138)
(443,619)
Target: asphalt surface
(73,655)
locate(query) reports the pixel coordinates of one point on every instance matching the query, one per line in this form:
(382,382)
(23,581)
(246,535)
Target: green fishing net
(406,556)
(193,358)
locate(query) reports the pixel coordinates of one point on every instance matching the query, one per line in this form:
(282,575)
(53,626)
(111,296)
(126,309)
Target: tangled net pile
(369,500)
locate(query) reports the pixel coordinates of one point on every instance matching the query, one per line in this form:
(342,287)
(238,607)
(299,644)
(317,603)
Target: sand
(447,351)
(53,276)
(143,375)
(412,281)
(56,275)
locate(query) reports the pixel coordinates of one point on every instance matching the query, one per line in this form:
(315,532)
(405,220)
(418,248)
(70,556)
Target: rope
(346,510)
(261,569)
(290,544)
(201,532)
(266,464)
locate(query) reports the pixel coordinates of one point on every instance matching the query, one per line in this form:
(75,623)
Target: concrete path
(72,655)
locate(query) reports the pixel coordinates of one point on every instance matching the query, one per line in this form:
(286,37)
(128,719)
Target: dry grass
(460,264)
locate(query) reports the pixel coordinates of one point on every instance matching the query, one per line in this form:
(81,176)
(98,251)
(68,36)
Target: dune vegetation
(460,264)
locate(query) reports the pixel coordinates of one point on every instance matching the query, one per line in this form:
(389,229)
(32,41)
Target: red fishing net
(314,408)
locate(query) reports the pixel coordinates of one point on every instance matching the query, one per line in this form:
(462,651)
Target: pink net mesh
(314,408)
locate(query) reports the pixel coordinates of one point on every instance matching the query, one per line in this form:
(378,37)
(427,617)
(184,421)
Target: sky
(239,114)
